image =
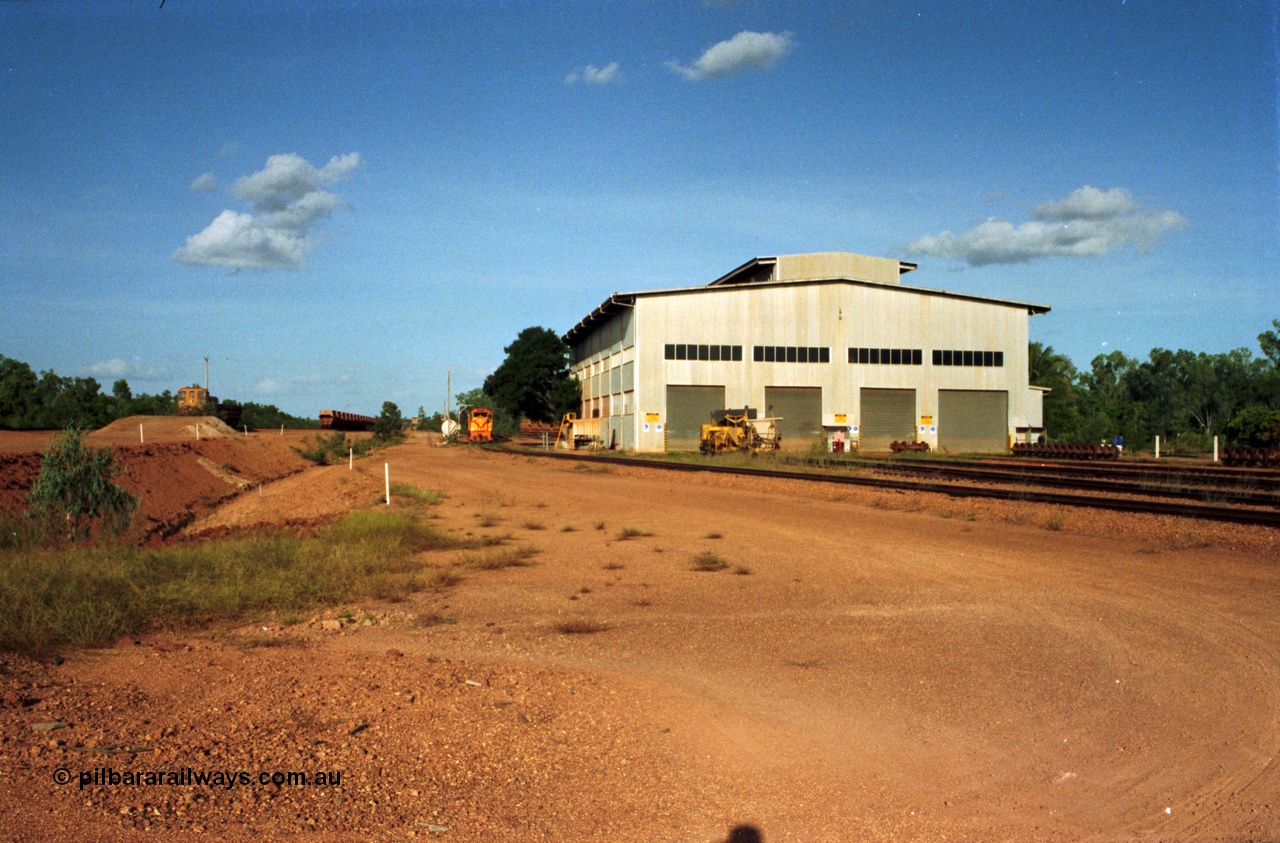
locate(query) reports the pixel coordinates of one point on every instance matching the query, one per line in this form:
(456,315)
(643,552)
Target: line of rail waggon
(338,420)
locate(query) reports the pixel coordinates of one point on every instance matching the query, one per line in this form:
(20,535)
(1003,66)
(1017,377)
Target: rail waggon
(338,420)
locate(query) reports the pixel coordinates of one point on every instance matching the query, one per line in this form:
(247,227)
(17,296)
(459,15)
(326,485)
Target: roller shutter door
(800,408)
(888,415)
(688,409)
(973,421)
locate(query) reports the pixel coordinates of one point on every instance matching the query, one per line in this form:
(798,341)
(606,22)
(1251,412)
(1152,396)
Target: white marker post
(197,431)
(386,470)
(1215,449)
(141,437)
(246,431)
(351,459)
(1157,447)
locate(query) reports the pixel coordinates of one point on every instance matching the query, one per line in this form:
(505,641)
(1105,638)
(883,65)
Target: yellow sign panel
(926,420)
(841,418)
(651,417)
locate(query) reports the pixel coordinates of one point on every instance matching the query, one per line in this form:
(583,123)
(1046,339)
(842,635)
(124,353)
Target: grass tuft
(427,496)
(628,533)
(514,557)
(581,626)
(708,561)
(594,469)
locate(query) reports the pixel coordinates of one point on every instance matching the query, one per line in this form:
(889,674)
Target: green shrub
(335,448)
(389,427)
(1255,426)
(74,492)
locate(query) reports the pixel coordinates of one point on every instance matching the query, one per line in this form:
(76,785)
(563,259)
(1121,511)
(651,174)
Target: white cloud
(204,183)
(118,367)
(286,196)
(1087,223)
(744,51)
(592,75)
(269,386)
(1088,203)
(288,178)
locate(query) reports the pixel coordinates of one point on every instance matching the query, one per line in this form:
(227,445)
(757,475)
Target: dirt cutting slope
(177,476)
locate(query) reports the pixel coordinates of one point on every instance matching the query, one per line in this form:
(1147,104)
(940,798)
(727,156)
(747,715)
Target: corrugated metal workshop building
(830,342)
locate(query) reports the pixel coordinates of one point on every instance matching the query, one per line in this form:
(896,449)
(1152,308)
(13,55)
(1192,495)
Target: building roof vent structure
(816,266)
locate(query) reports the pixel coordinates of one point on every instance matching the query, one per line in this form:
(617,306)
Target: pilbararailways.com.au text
(226,779)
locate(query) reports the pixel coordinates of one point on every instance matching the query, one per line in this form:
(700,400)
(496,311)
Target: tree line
(51,401)
(1184,397)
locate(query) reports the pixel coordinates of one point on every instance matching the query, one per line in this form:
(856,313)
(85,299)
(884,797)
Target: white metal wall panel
(973,421)
(688,409)
(801,411)
(888,415)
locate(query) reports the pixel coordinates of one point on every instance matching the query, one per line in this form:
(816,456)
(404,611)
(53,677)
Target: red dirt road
(873,674)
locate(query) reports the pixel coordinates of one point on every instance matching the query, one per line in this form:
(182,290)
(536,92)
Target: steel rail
(1220,477)
(1184,510)
(1148,486)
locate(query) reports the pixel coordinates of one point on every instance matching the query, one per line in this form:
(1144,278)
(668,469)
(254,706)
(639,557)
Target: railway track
(1219,486)
(1018,485)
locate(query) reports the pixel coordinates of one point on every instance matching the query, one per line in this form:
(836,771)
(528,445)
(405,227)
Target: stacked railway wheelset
(1258,457)
(1063,451)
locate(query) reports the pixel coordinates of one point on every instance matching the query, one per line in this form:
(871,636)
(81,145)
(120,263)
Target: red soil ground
(882,668)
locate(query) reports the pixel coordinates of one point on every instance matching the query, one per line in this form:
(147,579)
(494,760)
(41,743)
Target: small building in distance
(832,343)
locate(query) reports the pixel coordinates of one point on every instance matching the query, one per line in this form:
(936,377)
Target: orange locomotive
(481,425)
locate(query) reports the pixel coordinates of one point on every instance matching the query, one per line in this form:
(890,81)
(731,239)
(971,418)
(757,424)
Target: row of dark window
(791,354)
(887,356)
(689,351)
(814,354)
(967,358)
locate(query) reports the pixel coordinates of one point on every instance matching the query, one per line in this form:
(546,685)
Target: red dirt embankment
(177,476)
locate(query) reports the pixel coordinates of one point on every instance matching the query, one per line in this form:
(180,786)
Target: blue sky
(340,202)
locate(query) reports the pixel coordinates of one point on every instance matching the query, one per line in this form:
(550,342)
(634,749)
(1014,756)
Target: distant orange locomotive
(481,425)
(196,401)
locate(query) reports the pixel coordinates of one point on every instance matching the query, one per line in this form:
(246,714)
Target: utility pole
(206,374)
